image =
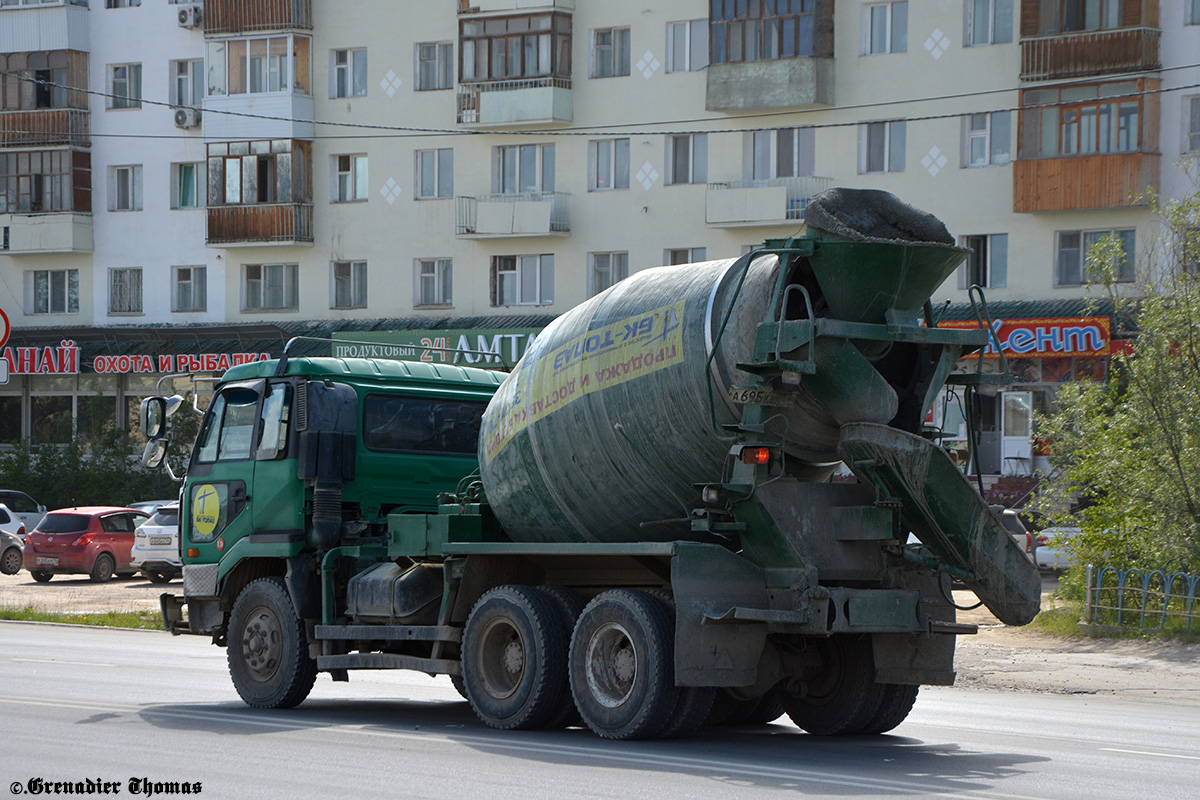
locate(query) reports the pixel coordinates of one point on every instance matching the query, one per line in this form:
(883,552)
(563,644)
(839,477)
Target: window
(349,74)
(125,290)
(119,3)
(271,64)
(685,255)
(349,284)
(1082,120)
(608,164)
(263,171)
(189,290)
(687,45)
(783,153)
(435,66)
(987,22)
(187,85)
(1074,247)
(1191,116)
(434,282)
(227,435)
(186,183)
(351,179)
(125,86)
(506,48)
(270,287)
(435,173)
(53,291)
(49,80)
(125,188)
(610,53)
(402,424)
(524,168)
(760,31)
(606,269)
(1062,16)
(987,265)
(987,139)
(523,280)
(687,158)
(881,147)
(1193,14)
(885,28)
(1189,252)
(38,181)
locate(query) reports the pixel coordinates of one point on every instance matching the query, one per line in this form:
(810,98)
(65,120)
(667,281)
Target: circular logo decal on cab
(206,510)
(220,544)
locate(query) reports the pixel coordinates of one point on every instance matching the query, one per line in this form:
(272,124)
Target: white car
(155,550)
(1052,552)
(23,507)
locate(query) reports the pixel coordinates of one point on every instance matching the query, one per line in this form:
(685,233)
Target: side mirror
(153,417)
(155,452)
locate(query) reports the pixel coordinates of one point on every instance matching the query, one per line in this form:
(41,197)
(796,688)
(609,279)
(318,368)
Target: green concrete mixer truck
(637,529)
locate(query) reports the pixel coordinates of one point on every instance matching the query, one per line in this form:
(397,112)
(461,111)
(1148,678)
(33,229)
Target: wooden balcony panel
(273,223)
(1072,55)
(45,127)
(247,16)
(1083,182)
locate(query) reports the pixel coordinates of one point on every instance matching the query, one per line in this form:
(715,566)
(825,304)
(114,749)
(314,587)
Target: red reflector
(193,552)
(756,455)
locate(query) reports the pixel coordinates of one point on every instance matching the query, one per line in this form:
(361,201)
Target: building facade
(185,184)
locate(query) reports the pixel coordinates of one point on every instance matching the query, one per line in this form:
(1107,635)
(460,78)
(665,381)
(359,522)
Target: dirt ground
(999,657)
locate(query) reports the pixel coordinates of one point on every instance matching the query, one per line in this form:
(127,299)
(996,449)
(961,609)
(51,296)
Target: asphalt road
(109,706)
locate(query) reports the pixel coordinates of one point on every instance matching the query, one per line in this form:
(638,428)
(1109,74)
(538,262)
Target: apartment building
(195,183)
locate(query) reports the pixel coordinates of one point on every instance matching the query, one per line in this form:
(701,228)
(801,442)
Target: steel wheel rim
(262,644)
(501,659)
(611,665)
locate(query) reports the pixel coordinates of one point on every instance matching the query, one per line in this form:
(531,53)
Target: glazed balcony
(1073,55)
(495,216)
(222,17)
(1076,183)
(260,224)
(45,127)
(778,201)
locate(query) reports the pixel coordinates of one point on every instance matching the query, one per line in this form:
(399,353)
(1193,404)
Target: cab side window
(273,432)
(228,431)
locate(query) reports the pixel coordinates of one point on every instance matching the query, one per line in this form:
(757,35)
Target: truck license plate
(759,397)
(160,540)
(47,561)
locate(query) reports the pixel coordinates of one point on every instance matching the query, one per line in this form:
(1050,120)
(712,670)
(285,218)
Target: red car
(94,540)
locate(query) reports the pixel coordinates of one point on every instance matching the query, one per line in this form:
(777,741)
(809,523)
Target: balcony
(269,115)
(802,82)
(222,17)
(495,216)
(509,6)
(47,25)
(1077,183)
(261,224)
(778,201)
(45,233)
(1073,55)
(530,101)
(45,127)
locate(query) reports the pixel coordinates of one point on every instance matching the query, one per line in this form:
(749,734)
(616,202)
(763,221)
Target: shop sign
(200,362)
(1067,337)
(468,346)
(61,360)
(5,328)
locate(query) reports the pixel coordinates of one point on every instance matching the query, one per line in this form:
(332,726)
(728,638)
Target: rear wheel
(41,575)
(267,647)
(841,697)
(622,665)
(158,576)
(103,568)
(10,562)
(514,658)
(570,606)
(694,703)
(894,706)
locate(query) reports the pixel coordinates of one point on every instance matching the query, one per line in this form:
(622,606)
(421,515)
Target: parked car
(94,540)
(10,553)
(1052,552)
(23,506)
(11,523)
(150,506)
(156,545)
(1024,539)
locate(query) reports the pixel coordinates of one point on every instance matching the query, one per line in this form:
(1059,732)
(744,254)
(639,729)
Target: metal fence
(1153,599)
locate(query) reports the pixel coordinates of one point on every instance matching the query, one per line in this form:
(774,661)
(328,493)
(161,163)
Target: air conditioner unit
(191,16)
(187,117)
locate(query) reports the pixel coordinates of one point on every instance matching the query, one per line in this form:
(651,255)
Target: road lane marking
(1149,753)
(60,661)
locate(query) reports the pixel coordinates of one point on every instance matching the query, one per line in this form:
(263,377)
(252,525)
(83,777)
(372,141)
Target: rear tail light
(21,531)
(83,541)
(1043,541)
(756,455)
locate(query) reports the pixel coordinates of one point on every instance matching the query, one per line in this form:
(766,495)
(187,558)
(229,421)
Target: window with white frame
(523,168)
(608,164)
(1075,247)
(987,265)
(351,178)
(187,185)
(987,139)
(1191,117)
(606,269)
(687,45)
(685,255)
(125,86)
(433,280)
(125,188)
(189,288)
(885,28)
(987,22)
(687,158)
(349,279)
(52,291)
(435,173)
(261,65)
(610,53)
(110,3)
(523,280)
(125,290)
(349,74)
(782,153)
(270,287)
(435,66)
(187,83)
(881,146)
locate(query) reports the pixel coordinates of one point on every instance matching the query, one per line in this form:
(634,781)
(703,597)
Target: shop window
(50,419)
(10,418)
(523,280)
(434,279)
(606,269)
(987,22)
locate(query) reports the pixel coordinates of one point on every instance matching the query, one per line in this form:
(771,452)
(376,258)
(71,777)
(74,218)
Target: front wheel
(267,647)
(10,562)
